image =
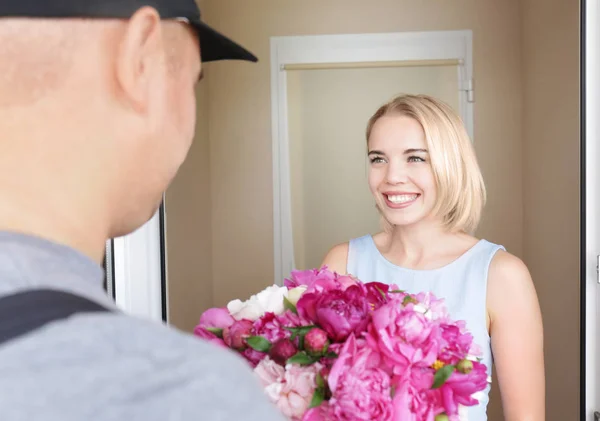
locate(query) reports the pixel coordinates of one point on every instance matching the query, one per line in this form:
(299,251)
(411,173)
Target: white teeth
(402,198)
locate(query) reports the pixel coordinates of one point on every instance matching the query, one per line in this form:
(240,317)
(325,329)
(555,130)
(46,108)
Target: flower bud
(282,350)
(464,366)
(235,335)
(316,342)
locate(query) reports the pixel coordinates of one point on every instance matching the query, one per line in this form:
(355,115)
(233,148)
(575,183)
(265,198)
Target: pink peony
(290,389)
(320,413)
(308,277)
(404,337)
(272,327)
(201,332)
(456,344)
(320,280)
(216,318)
(213,319)
(412,404)
(459,388)
(377,294)
(339,313)
(360,389)
(434,307)
(235,335)
(253,356)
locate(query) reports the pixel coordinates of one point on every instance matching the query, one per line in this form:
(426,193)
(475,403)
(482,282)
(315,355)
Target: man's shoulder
(138,367)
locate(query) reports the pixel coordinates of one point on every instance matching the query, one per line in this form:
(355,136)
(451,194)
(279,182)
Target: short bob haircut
(461,193)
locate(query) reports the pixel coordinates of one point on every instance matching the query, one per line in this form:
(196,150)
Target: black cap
(213,45)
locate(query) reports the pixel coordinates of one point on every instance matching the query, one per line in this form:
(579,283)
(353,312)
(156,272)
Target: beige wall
(551,174)
(189,234)
(331,201)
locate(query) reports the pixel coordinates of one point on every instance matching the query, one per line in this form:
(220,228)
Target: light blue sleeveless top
(462,284)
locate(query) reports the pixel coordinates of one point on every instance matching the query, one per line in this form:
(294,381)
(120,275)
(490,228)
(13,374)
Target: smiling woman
(428,188)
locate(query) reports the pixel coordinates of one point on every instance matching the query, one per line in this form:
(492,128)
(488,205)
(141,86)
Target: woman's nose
(396,173)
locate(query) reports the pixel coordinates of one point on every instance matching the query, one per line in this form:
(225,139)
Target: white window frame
(354,48)
(138,260)
(590,289)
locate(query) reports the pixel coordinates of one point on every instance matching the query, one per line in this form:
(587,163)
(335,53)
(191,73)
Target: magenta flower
(235,335)
(308,277)
(360,389)
(377,294)
(456,344)
(404,337)
(201,332)
(339,313)
(282,350)
(253,356)
(316,341)
(459,388)
(414,404)
(216,318)
(213,320)
(320,280)
(320,413)
(272,327)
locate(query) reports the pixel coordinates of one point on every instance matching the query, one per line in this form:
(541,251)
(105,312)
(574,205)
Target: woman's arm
(517,338)
(336,259)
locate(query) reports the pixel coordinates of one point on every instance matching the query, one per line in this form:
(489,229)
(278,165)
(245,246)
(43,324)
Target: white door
(328,111)
(590,288)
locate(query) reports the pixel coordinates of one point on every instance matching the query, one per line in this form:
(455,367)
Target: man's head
(98,110)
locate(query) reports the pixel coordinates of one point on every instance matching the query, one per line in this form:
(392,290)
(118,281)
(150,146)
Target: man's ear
(140,56)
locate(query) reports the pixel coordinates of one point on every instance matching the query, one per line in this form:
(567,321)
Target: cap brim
(215,46)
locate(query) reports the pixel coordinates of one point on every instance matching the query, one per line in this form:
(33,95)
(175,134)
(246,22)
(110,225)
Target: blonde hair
(461,193)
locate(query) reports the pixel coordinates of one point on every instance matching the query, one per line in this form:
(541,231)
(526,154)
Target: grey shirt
(111,366)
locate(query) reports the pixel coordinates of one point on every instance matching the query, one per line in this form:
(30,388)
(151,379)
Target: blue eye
(377,160)
(415,159)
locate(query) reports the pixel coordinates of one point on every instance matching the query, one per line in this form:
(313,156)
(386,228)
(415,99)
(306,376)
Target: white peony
(268,300)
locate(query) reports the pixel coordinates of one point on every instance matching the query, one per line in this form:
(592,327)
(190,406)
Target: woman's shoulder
(509,281)
(336,258)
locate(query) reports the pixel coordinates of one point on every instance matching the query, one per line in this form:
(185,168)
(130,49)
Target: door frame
(138,268)
(314,51)
(590,203)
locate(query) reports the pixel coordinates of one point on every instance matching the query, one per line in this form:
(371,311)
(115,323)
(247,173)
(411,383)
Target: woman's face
(400,174)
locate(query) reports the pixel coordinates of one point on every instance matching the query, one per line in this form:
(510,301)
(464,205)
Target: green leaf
(320,381)
(442,375)
(300,330)
(259,343)
(288,305)
(301,358)
(216,331)
(331,354)
(409,299)
(318,397)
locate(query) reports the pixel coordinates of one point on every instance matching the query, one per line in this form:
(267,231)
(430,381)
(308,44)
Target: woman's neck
(423,245)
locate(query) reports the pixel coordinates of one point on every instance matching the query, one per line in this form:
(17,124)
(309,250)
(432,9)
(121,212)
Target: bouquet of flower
(328,347)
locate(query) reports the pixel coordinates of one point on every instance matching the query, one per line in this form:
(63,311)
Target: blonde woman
(429,190)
